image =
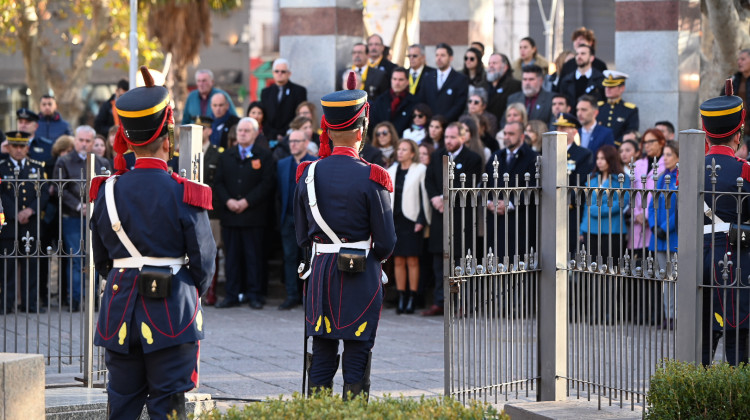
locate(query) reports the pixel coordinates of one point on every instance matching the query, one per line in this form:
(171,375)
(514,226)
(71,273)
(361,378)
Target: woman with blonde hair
(411,213)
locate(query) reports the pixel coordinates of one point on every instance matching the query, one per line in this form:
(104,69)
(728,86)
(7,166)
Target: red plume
(148,81)
(120,147)
(351,81)
(325,147)
(728,88)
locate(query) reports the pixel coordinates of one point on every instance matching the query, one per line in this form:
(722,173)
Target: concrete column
(457,24)
(511,25)
(657,43)
(317,36)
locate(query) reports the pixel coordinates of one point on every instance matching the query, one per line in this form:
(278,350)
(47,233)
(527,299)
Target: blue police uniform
(152,343)
(26,194)
(353,199)
(619,116)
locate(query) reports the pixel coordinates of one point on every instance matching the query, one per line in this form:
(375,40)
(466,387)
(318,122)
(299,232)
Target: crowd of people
(491,109)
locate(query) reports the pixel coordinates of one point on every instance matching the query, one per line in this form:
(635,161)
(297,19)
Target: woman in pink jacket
(652,143)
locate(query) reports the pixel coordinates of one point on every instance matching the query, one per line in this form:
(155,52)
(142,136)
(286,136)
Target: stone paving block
(568,410)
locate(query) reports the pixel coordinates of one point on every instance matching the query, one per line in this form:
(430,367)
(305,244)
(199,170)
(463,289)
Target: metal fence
(42,272)
(579,307)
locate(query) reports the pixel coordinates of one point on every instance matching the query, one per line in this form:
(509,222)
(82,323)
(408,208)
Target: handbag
(155,282)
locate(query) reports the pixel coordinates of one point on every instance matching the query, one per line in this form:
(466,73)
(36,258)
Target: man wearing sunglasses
(417,68)
(280,100)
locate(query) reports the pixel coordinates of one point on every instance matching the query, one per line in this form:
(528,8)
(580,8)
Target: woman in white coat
(411,213)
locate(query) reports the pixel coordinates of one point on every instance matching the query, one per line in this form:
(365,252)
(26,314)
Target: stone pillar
(657,43)
(21,386)
(457,24)
(511,25)
(317,36)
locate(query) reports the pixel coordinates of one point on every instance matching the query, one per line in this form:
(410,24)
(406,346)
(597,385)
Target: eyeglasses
(412,55)
(467,58)
(474,102)
(382,133)
(418,115)
(281,71)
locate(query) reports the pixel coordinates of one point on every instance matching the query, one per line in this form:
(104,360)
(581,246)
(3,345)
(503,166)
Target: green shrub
(331,407)
(682,390)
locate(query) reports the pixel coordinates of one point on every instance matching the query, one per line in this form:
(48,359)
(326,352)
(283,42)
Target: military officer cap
(613,78)
(344,110)
(145,115)
(204,120)
(18,138)
(723,116)
(26,114)
(567,120)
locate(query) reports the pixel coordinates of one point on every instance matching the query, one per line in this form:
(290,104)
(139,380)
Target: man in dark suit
(287,183)
(222,121)
(580,164)
(376,47)
(446,90)
(586,80)
(516,159)
(467,162)
(244,184)
(593,135)
(538,102)
(502,84)
(397,105)
(417,68)
(280,100)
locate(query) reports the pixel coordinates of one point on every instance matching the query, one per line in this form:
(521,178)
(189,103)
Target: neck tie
(509,158)
(243,153)
(414,75)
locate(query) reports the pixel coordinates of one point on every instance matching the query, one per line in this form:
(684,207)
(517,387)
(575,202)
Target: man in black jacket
(280,100)
(502,84)
(467,162)
(244,185)
(417,68)
(107,116)
(586,80)
(397,105)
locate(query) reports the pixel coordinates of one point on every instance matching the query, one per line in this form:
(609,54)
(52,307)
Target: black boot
(363,386)
(313,388)
(177,406)
(410,303)
(401,302)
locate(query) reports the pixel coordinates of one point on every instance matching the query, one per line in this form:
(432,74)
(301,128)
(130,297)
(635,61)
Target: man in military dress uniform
(618,115)
(726,305)
(149,225)
(22,223)
(351,197)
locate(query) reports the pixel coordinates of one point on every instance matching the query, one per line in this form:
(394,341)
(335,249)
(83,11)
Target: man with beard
(446,90)
(538,102)
(502,84)
(586,80)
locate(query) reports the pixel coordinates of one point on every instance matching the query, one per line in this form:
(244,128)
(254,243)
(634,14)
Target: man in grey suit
(538,102)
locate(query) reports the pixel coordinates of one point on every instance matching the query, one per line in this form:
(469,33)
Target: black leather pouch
(739,233)
(155,282)
(352,260)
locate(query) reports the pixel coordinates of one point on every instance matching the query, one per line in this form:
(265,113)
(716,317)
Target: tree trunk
(728,25)
(29,33)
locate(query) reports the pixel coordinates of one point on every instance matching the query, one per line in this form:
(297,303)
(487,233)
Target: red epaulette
(381,176)
(301,168)
(96,182)
(195,193)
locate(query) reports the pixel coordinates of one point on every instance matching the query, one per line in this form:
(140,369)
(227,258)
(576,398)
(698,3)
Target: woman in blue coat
(663,223)
(603,226)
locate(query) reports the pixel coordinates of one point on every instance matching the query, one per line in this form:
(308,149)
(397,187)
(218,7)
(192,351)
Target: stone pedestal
(657,43)
(21,386)
(457,24)
(317,38)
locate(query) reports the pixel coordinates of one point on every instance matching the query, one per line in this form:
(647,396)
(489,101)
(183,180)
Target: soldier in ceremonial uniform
(350,209)
(147,225)
(21,223)
(618,115)
(726,305)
